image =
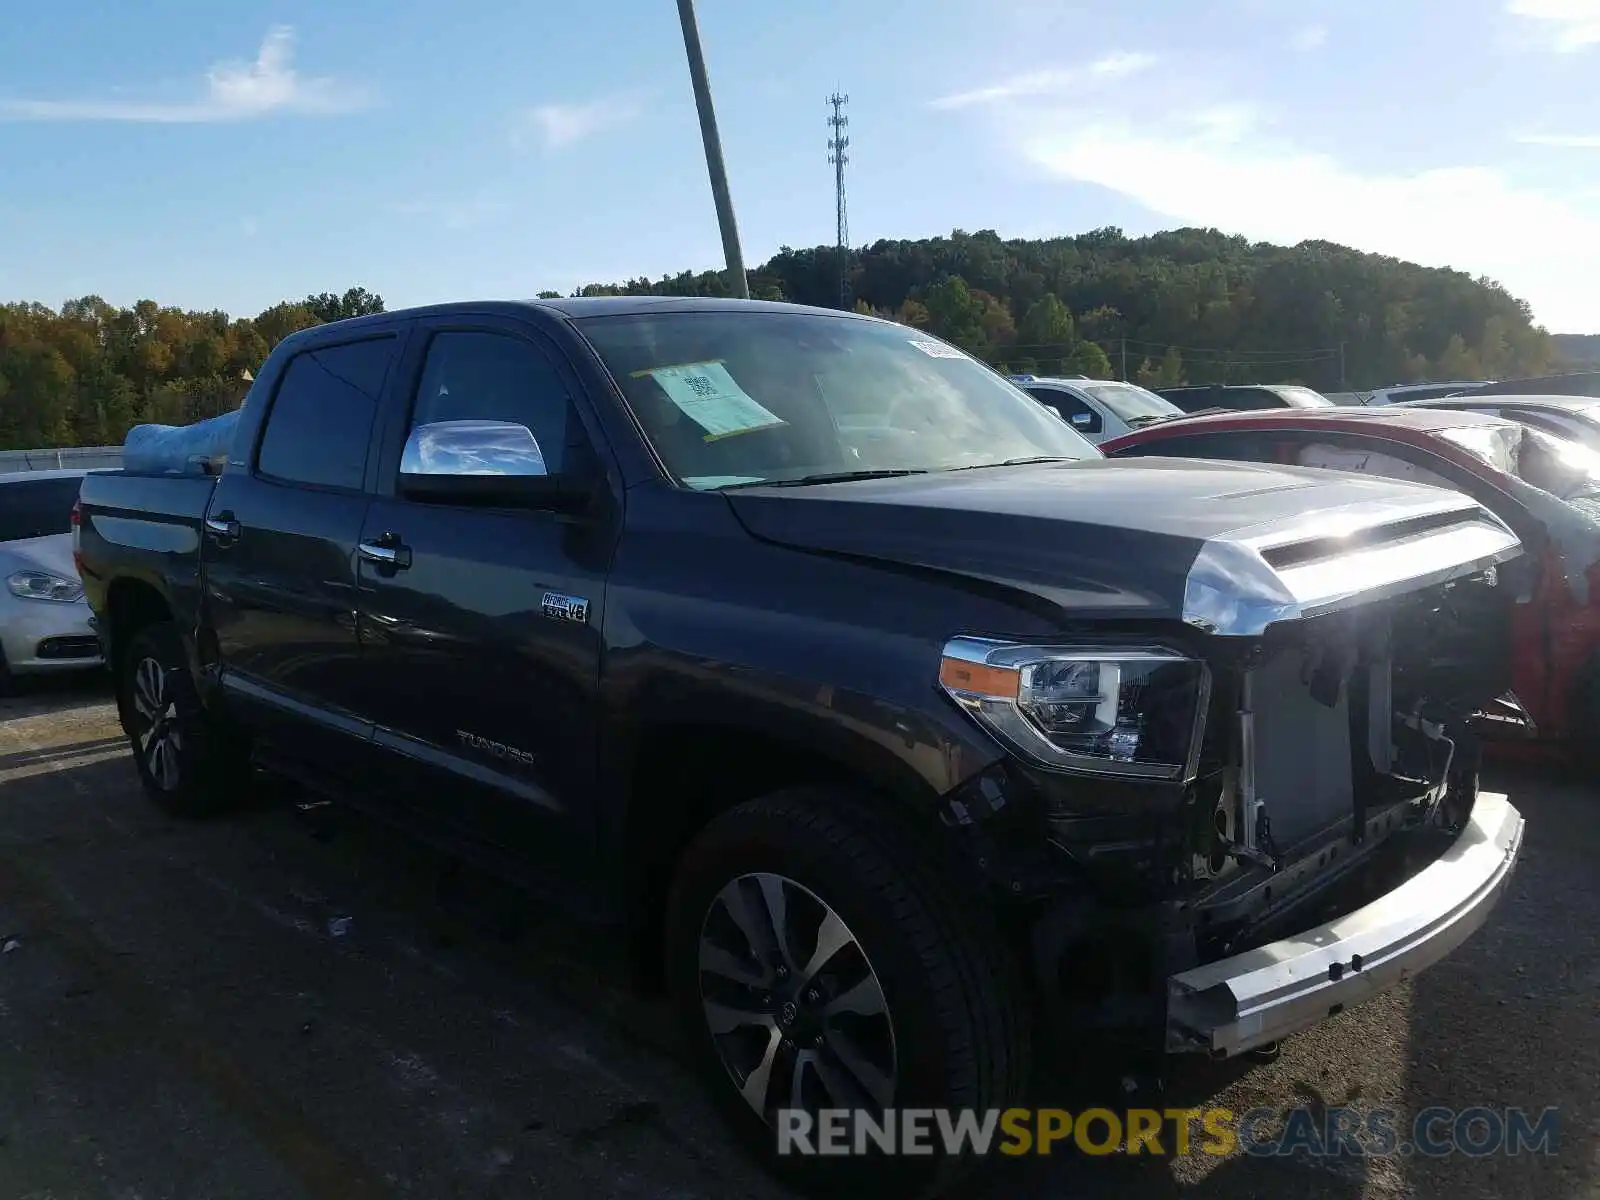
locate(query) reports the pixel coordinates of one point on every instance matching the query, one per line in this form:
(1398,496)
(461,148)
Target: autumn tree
(1197,297)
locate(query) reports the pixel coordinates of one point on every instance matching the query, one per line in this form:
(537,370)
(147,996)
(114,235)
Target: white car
(1099,409)
(44,621)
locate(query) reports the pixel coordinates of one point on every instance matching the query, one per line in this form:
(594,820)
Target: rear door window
(320,424)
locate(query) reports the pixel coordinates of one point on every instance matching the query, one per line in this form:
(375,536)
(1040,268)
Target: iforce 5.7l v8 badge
(566,608)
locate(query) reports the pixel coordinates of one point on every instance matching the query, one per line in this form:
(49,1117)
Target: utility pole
(1341,366)
(837,145)
(1124,360)
(737,283)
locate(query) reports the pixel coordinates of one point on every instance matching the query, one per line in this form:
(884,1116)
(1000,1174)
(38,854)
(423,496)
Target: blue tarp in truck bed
(198,449)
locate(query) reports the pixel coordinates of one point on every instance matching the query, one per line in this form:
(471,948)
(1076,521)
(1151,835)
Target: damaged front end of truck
(1275,811)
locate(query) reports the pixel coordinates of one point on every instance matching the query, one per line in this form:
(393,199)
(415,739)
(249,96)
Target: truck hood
(1226,547)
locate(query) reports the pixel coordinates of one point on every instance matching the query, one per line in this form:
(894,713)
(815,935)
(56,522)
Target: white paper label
(709,396)
(938,350)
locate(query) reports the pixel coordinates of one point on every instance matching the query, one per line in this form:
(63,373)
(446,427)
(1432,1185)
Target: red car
(1546,489)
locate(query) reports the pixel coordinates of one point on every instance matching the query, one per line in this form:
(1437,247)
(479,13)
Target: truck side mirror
(494,463)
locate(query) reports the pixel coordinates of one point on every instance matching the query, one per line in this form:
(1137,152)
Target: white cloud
(561,125)
(1571,141)
(1047,82)
(1229,175)
(235,91)
(1567,25)
(1310,37)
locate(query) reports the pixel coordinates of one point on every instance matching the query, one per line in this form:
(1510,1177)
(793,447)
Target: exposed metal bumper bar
(1257,997)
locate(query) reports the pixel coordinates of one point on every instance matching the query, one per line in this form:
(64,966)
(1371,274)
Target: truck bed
(134,527)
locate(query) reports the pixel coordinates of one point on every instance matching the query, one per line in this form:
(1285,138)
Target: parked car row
(1544,487)
(896,726)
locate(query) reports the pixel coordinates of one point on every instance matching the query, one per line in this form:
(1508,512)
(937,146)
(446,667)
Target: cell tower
(837,146)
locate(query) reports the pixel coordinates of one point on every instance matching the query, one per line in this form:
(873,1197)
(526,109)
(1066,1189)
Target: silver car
(44,622)
(1099,409)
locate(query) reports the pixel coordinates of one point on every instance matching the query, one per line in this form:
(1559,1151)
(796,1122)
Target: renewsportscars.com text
(1323,1132)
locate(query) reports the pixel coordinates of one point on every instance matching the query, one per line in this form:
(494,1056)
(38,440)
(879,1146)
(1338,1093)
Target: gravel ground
(296,1003)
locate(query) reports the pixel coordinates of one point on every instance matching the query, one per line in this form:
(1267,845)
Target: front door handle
(386,553)
(222,525)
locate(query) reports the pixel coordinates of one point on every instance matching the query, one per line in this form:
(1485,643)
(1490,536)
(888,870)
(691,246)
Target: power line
(837,144)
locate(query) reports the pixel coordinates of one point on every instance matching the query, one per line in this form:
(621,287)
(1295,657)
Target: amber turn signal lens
(961,676)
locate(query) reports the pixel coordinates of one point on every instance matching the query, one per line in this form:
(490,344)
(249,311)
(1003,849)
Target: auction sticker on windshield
(710,397)
(938,350)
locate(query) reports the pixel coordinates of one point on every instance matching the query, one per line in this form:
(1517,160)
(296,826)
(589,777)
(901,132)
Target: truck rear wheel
(188,763)
(818,960)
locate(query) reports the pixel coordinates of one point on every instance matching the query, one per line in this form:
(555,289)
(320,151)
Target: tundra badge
(566,608)
(475,741)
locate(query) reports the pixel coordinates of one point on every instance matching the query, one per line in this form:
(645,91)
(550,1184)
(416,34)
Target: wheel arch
(676,776)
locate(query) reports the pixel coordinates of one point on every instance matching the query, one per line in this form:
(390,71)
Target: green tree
(1165,372)
(956,315)
(84,372)
(1457,362)
(356,302)
(1089,359)
(1046,333)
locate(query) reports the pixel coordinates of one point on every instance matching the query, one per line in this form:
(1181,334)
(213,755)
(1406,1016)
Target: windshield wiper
(1149,418)
(1017,462)
(827,477)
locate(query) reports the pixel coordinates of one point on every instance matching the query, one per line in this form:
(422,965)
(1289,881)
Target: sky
(233,155)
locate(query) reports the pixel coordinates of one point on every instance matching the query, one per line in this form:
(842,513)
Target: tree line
(81,376)
(1185,306)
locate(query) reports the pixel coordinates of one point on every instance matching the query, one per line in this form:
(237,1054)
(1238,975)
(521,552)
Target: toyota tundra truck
(897,729)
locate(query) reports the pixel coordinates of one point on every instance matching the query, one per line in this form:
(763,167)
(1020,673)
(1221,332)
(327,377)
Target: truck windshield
(31,508)
(731,398)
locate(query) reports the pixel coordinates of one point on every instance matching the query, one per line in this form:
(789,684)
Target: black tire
(189,763)
(956,1008)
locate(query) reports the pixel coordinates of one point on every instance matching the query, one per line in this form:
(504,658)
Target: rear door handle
(386,554)
(223,526)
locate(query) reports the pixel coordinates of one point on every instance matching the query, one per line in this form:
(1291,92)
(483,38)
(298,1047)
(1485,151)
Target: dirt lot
(298,1004)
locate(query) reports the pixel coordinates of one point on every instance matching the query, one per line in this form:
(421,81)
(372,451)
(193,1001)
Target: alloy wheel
(158,736)
(792,1002)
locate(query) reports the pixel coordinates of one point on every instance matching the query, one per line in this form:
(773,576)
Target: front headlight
(42,585)
(1109,710)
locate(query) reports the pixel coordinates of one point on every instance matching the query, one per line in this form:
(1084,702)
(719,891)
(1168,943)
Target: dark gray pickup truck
(895,725)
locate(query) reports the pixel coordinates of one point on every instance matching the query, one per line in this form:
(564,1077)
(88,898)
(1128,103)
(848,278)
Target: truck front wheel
(188,763)
(820,961)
